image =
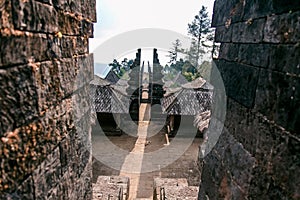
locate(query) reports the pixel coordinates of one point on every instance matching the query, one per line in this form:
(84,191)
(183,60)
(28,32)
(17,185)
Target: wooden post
(167,139)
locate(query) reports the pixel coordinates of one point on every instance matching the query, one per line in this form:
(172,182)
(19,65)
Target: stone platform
(111,187)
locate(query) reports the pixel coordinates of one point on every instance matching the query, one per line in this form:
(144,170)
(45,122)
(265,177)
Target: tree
(178,65)
(189,71)
(173,53)
(200,29)
(126,64)
(116,66)
(121,69)
(193,53)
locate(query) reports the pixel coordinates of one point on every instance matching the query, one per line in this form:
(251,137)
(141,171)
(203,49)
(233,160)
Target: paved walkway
(134,161)
(150,139)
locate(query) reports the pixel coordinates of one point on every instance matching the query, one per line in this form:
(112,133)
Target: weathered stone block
(87,28)
(229,51)
(57,79)
(179,192)
(37,111)
(47,175)
(25,46)
(34,16)
(294,116)
(259,184)
(227,12)
(68,24)
(81,107)
(6,20)
(208,187)
(248,32)
(256,9)
(283,28)
(240,81)
(271,179)
(89,9)
(254,54)
(266,124)
(116,187)
(275,98)
(240,123)
(25,148)
(70,46)
(214,161)
(223,34)
(239,163)
(39,47)
(48,84)
(85,65)
(285,58)
(227,168)
(285,6)
(18,97)
(83,186)
(71,6)
(24,191)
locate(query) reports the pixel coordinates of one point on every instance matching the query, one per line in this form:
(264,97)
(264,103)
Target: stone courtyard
(141,184)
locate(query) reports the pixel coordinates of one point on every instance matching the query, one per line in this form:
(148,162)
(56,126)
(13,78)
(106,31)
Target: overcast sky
(118,16)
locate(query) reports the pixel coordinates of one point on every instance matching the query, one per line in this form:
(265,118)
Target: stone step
(111,187)
(162,182)
(180,192)
(142,199)
(174,188)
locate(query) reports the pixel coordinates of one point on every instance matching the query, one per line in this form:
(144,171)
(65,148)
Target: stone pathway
(135,161)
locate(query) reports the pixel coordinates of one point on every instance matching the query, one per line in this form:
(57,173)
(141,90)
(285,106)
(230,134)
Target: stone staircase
(117,188)
(173,189)
(111,187)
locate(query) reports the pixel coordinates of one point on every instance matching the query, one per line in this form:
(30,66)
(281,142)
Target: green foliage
(173,52)
(121,69)
(178,65)
(201,32)
(200,26)
(115,66)
(185,67)
(190,76)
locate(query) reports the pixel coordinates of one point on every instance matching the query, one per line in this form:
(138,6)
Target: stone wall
(45,66)
(258,154)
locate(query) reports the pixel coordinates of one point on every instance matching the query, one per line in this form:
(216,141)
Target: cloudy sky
(116,17)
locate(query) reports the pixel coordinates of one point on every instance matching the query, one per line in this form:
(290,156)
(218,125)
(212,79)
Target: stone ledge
(114,187)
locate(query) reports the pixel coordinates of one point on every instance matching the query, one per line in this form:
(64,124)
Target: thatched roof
(190,99)
(105,72)
(107,99)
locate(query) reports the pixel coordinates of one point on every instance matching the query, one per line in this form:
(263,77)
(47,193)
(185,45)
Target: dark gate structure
(138,84)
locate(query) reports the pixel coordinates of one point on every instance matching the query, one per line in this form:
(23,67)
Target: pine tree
(200,30)
(173,53)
